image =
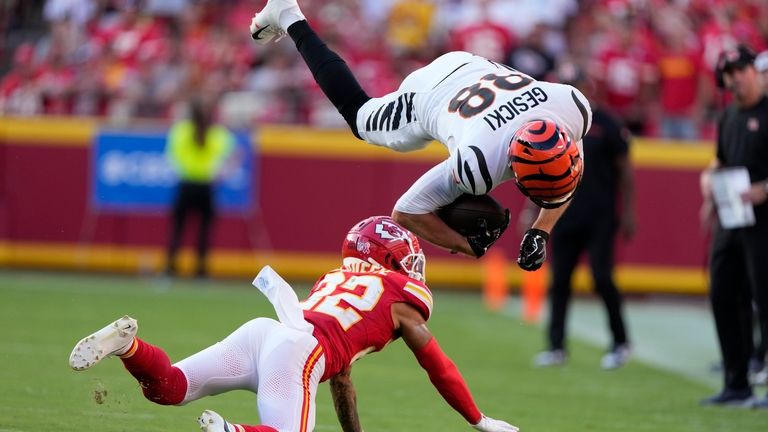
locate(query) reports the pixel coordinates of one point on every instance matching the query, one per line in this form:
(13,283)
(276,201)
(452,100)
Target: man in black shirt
(738,265)
(590,225)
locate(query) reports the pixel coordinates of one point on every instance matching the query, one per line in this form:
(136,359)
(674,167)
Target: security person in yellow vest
(198,149)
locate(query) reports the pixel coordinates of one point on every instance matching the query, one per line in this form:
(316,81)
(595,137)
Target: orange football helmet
(546,163)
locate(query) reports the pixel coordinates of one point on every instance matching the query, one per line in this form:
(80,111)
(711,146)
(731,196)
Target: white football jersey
(473,106)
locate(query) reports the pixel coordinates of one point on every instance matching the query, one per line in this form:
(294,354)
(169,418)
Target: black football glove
(485,238)
(533,249)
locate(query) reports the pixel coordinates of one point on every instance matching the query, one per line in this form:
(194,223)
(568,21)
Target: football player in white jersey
(497,123)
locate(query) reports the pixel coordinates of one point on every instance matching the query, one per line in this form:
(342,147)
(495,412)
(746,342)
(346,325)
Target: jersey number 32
(361,293)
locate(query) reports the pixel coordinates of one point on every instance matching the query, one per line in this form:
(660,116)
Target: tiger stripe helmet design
(546,163)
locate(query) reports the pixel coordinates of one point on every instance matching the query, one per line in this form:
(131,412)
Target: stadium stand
(124,59)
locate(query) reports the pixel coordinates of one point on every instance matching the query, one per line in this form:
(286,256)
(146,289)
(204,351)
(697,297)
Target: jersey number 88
(472,100)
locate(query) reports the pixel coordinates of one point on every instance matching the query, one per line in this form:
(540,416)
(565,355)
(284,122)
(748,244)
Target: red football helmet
(381,242)
(546,163)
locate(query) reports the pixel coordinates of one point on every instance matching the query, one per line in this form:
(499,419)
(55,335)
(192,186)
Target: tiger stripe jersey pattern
(473,106)
(352,312)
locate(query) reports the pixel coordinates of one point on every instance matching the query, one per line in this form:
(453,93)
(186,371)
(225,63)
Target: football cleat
(113,339)
(211,421)
(266,26)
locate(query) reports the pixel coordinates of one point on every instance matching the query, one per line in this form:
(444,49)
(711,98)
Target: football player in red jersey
(377,296)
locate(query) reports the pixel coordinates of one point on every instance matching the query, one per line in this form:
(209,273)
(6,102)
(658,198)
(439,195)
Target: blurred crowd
(653,60)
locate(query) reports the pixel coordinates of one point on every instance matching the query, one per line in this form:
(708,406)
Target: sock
(160,382)
(330,72)
(247,428)
(289,16)
(126,350)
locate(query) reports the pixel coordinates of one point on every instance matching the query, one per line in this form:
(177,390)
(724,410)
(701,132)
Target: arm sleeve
(431,191)
(448,381)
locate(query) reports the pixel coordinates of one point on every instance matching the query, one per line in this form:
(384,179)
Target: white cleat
(211,421)
(616,357)
(112,339)
(550,358)
(273,21)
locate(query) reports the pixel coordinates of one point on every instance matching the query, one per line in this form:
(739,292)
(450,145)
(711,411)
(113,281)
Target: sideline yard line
(672,335)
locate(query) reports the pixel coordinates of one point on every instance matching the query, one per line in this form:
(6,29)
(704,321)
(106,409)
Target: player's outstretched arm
(345,401)
(431,228)
(533,247)
(442,371)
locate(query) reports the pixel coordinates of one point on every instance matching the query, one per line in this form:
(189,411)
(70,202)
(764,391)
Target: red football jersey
(352,312)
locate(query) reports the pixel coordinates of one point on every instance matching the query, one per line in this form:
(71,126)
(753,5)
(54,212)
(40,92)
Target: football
(464,215)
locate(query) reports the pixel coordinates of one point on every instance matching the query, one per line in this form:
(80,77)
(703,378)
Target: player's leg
(290,369)
(329,70)
(730,300)
(757,272)
(282,365)
(601,249)
(567,244)
(179,215)
(395,120)
(160,381)
(207,216)
(389,121)
(331,73)
(229,364)
(290,364)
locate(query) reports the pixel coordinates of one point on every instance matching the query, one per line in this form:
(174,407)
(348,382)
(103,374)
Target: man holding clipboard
(736,183)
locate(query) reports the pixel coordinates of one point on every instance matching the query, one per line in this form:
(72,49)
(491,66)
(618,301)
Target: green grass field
(43,315)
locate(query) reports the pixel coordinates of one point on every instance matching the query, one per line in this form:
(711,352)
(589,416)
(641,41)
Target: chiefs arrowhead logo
(389,231)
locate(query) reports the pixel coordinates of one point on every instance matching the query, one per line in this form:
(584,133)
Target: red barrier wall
(313,186)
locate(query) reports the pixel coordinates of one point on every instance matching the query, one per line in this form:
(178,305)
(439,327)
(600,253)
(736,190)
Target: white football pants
(281,365)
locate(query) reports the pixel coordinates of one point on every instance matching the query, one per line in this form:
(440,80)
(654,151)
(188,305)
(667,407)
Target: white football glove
(487,424)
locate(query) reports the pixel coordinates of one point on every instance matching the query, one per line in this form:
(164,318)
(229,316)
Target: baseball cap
(735,58)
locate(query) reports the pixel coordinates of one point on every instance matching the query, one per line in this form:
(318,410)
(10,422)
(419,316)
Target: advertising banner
(130,172)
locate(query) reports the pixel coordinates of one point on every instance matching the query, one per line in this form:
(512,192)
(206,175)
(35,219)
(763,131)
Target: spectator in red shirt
(56,80)
(626,72)
(129,31)
(680,83)
(483,37)
(19,94)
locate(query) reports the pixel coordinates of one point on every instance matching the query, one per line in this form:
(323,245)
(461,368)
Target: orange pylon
(533,291)
(495,280)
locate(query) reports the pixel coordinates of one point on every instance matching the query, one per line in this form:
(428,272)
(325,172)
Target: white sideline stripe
(674,336)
